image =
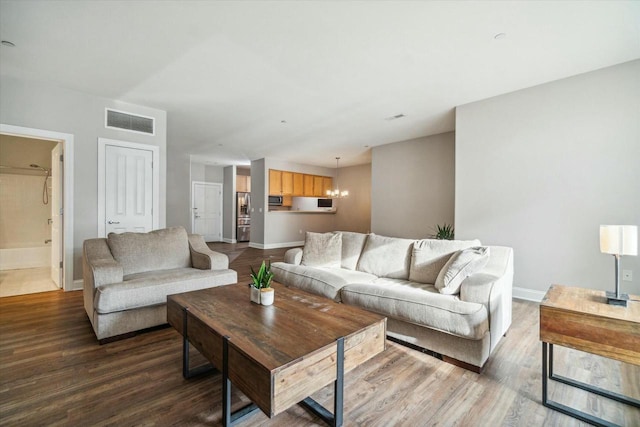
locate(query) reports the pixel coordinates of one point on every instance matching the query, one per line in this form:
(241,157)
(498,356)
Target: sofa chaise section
(128,276)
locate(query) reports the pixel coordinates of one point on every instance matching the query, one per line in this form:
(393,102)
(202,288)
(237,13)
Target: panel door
(128,189)
(207,211)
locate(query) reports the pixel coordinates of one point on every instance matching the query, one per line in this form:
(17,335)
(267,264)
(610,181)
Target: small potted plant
(261,291)
(444,232)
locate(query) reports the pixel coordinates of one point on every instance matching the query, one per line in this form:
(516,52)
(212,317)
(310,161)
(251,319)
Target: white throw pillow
(461,265)
(322,250)
(430,256)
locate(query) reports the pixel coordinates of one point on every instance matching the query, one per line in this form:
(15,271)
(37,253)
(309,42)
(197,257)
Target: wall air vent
(115,119)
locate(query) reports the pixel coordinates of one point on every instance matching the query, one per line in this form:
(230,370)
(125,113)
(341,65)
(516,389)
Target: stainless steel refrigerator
(243,218)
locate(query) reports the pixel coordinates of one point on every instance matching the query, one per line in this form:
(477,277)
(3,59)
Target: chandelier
(336,193)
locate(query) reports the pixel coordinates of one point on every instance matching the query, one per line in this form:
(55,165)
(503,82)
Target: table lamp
(618,240)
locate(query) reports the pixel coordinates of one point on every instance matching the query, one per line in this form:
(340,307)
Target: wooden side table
(581,319)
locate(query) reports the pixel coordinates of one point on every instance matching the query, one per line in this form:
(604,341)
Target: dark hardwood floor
(53,372)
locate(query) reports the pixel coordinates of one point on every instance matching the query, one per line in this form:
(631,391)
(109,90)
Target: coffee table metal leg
(186,372)
(336,418)
(230,418)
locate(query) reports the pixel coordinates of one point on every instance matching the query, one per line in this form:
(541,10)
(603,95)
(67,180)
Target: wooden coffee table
(581,319)
(276,355)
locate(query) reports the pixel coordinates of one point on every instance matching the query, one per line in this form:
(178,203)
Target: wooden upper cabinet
(327,185)
(275,182)
(308,185)
(287,183)
(318,186)
(298,184)
(243,183)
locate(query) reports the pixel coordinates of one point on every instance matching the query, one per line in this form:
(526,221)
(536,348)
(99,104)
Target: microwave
(275,200)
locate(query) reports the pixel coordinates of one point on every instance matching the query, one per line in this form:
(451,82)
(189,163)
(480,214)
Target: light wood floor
(53,372)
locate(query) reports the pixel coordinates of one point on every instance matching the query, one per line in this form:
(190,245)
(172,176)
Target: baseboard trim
(229,240)
(77,285)
(528,294)
(275,245)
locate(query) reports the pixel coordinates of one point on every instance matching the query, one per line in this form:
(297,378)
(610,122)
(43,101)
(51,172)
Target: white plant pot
(267,296)
(255,294)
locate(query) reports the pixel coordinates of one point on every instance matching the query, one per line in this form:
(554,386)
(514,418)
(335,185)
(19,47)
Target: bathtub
(14,258)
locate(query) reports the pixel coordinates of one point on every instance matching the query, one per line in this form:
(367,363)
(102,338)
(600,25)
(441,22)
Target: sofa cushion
(323,281)
(420,304)
(157,250)
(461,265)
(352,245)
(430,255)
(151,288)
(322,250)
(386,256)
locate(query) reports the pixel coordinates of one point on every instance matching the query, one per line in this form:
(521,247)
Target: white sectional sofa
(449,298)
(128,276)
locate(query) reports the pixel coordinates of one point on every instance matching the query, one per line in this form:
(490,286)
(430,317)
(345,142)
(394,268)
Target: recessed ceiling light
(396,117)
(500,36)
(7,43)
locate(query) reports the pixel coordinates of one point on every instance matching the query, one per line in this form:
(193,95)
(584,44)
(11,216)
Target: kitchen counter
(303,212)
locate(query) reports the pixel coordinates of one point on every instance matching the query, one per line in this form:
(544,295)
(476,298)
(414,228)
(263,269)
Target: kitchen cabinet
(287,201)
(287,183)
(308,186)
(327,185)
(243,183)
(275,182)
(318,186)
(298,184)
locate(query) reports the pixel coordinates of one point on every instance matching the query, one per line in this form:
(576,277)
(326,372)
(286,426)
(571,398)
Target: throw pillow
(322,250)
(461,265)
(430,255)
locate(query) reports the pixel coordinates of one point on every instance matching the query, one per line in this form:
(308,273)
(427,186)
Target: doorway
(36,213)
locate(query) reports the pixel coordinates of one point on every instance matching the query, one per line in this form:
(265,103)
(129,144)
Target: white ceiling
(229,73)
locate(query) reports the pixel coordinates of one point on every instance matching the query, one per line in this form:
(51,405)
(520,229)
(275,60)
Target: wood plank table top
(581,319)
(278,354)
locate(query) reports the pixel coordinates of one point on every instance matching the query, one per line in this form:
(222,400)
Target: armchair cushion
(157,250)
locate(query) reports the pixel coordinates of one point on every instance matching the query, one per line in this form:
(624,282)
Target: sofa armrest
(204,258)
(293,256)
(493,287)
(98,268)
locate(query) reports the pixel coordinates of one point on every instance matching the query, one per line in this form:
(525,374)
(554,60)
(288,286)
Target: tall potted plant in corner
(261,291)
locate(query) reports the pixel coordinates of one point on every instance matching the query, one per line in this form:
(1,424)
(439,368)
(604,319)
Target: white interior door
(56,215)
(128,189)
(207,210)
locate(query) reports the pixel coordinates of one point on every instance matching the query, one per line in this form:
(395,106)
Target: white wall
(41,106)
(412,186)
(540,169)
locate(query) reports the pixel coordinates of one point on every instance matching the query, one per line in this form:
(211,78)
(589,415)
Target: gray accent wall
(42,106)
(542,168)
(412,186)
(354,212)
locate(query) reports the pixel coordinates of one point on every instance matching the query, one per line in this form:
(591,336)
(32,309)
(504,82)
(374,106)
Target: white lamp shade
(619,239)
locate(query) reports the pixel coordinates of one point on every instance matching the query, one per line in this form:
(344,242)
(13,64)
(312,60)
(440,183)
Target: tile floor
(26,281)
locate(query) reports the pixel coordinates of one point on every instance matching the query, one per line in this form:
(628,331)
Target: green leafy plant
(264,276)
(444,232)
